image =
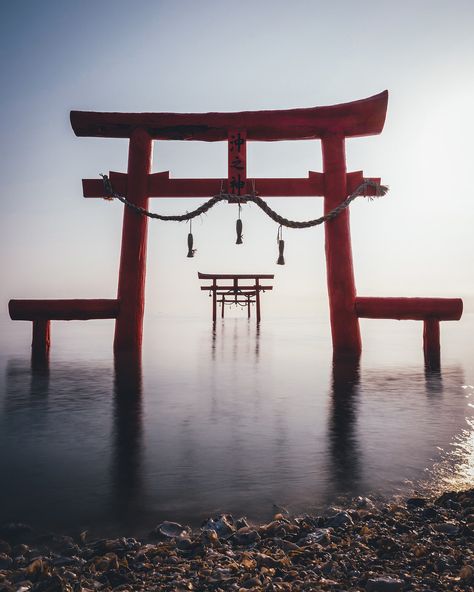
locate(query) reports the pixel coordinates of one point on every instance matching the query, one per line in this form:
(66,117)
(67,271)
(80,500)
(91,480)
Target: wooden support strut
(429,310)
(431,343)
(41,337)
(42,312)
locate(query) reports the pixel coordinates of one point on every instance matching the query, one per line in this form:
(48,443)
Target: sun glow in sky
(203,56)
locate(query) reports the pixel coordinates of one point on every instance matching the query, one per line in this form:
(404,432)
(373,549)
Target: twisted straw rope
(380,190)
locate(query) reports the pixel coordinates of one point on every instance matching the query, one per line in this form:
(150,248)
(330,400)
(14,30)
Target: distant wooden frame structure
(234,292)
(332,125)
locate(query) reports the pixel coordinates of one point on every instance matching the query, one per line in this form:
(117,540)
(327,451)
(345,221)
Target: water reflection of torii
(332,125)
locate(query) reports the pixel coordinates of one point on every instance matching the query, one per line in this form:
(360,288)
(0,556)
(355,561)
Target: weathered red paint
(340,273)
(418,309)
(131,284)
(357,118)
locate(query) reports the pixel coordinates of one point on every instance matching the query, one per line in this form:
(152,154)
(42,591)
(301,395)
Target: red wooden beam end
(365,117)
(418,309)
(62,310)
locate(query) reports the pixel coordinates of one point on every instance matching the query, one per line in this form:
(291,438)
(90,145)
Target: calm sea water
(231,421)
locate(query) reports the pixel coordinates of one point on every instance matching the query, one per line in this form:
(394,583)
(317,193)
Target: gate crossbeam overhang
(365,117)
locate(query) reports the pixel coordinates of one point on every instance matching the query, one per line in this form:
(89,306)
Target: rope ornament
(380,190)
(191,251)
(238,228)
(281,246)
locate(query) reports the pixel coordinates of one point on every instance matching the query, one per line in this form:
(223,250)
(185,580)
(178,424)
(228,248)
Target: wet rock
(430,513)
(364,503)
(171,530)
(241,523)
(50,584)
(223,525)
(209,537)
(5,561)
(339,519)
(320,535)
(384,585)
(448,528)
(254,582)
(246,536)
(467,573)
(280,510)
(275,528)
(416,502)
(429,546)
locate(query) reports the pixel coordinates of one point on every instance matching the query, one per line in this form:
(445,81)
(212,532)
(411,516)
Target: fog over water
(231,421)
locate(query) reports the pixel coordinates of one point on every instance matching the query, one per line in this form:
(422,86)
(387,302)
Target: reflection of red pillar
(131,286)
(340,272)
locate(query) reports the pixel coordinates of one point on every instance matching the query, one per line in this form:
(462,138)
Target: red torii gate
(235,293)
(332,125)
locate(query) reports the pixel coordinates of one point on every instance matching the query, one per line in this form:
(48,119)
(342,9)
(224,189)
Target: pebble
(384,585)
(448,528)
(338,520)
(416,546)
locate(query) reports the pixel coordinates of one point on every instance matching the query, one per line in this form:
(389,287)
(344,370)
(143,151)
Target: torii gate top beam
(365,117)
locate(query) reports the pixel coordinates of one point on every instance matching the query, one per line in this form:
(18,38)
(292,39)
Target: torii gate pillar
(131,284)
(339,268)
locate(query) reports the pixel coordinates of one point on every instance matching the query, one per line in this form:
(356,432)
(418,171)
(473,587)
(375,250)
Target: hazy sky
(205,55)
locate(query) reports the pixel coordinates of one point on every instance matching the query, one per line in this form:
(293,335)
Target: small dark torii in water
(231,292)
(332,125)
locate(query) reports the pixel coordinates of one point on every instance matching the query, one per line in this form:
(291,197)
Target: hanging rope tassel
(191,251)
(238,228)
(281,246)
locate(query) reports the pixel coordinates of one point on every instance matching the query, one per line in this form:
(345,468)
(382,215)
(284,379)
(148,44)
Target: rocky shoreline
(417,544)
